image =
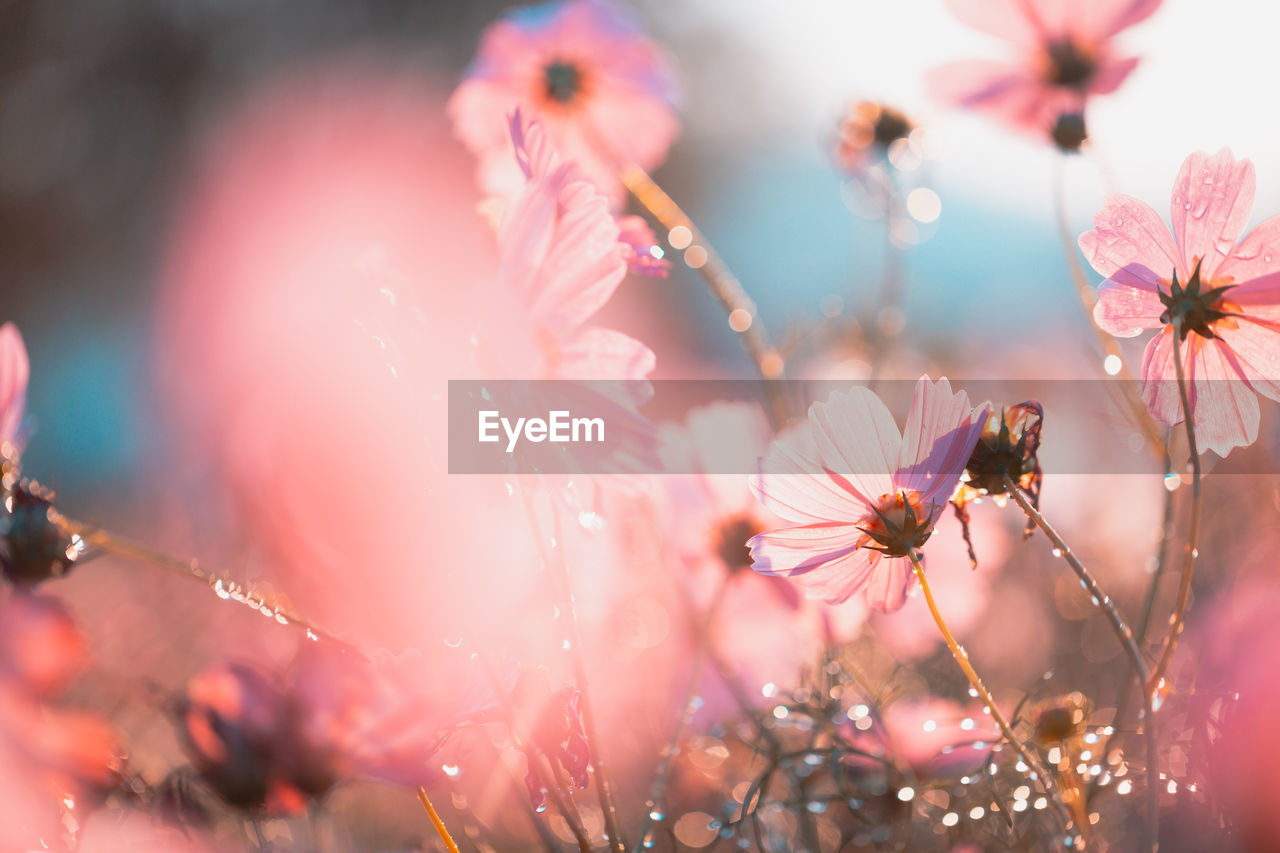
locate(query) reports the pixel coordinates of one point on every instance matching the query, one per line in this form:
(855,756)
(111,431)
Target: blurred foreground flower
(561,255)
(606,94)
(268,744)
(1066,57)
(69,759)
(1224,297)
(864,495)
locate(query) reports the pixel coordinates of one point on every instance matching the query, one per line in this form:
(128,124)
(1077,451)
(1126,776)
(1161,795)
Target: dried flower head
(1007,447)
(34,545)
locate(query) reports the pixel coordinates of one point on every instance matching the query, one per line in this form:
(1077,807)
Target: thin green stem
(1125,636)
(1177,620)
(1034,767)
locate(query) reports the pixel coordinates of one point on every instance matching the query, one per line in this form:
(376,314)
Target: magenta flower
(863,495)
(1066,56)
(1226,295)
(606,94)
(561,252)
(14,372)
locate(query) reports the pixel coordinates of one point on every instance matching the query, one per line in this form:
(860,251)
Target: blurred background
(160,160)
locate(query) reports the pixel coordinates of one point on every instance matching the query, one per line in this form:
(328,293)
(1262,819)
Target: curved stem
(449,843)
(657,791)
(1127,642)
(724,285)
(984,695)
(1084,292)
(1176,621)
(254,599)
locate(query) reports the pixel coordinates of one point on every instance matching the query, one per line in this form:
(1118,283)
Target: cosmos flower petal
(1131,245)
(1257,255)
(889,584)
(1004,91)
(857,441)
(1256,347)
(1012,20)
(794,486)
(1111,74)
(1126,311)
(939,436)
(1105,18)
(15,371)
(595,353)
(1224,408)
(823,558)
(1212,201)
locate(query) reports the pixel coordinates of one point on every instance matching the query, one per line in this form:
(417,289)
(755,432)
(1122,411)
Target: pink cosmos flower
(14,372)
(605,93)
(1226,295)
(560,253)
(1066,56)
(865,495)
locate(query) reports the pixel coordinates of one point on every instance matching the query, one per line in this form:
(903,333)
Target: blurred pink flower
(14,373)
(560,252)
(266,742)
(582,67)
(65,757)
(1227,296)
(41,649)
(1065,51)
(764,630)
(868,495)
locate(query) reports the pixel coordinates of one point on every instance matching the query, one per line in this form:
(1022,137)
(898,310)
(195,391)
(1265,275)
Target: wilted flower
(866,133)
(870,497)
(1008,446)
(1224,295)
(230,722)
(560,254)
(34,545)
(584,69)
(1066,57)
